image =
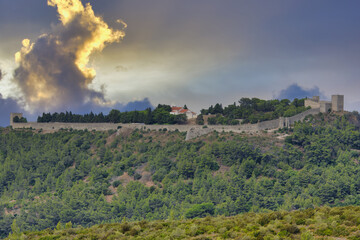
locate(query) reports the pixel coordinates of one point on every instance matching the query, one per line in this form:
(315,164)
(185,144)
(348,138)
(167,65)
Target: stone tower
(12,115)
(337,103)
(325,106)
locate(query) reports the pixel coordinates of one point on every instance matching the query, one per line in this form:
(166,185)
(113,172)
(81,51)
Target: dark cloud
(50,79)
(135,105)
(296,91)
(95,108)
(7,106)
(123,107)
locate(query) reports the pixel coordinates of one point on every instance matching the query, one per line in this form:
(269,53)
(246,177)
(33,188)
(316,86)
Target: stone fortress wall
(193,131)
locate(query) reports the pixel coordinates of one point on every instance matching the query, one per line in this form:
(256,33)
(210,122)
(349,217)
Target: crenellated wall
(301,116)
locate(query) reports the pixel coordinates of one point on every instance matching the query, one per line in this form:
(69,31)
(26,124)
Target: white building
(179,110)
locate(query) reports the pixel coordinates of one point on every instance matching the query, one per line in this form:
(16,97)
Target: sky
(132,54)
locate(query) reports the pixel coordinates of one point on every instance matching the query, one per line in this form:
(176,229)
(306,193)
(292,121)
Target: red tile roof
(175,108)
(180,110)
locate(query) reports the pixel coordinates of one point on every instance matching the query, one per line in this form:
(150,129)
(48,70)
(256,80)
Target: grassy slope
(320,223)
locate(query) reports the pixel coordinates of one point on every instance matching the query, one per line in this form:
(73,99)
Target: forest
(252,111)
(160,115)
(87,178)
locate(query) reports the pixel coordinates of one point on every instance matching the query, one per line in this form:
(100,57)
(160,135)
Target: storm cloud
(8,105)
(135,105)
(138,105)
(296,91)
(53,71)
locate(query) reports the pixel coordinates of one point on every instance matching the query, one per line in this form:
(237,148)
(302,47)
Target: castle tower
(325,106)
(337,103)
(12,115)
(313,102)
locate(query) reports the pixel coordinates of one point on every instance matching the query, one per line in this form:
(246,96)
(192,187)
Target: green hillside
(89,178)
(320,223)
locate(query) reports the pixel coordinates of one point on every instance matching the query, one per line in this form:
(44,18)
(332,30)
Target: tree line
(252,111)
(160,115)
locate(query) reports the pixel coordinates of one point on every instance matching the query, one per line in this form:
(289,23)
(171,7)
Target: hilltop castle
(336,104)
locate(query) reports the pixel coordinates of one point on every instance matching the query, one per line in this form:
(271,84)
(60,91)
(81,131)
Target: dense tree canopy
(95,177)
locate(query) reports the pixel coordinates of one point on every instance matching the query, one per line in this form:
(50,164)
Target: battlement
(336,104)
(12,115)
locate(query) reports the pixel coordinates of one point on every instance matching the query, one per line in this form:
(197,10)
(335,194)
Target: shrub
(125,227)
(116,183)
(307,236)
(137,176)
(200,210)
(200,120)
(68,225)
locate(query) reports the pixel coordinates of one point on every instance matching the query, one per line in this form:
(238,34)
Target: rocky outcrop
(196,132)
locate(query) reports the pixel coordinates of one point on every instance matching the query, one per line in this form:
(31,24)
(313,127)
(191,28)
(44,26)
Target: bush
(125,227)
(200,120)
(200,210)
(116,183)
(137,176)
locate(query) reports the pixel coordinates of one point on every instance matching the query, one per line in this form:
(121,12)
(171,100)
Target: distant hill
(89,178)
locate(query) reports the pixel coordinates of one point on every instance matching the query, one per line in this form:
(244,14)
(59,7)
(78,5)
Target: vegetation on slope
(96,177)
(253,110)
(320,223)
